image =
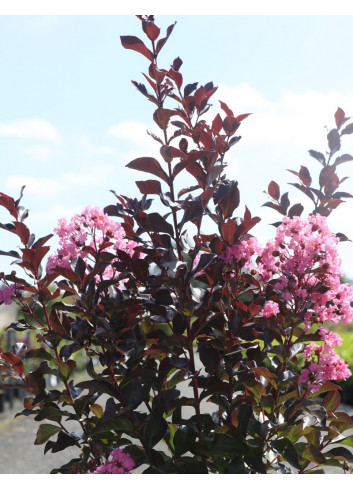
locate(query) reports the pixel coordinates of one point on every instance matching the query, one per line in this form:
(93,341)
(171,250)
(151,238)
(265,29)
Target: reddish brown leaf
(199,96)
(230,125)
(161,42)
(14,361)
(340,118)
(150,29)
(217,124)
(149,165)
(169,153)
(149,187)
(162,117)
(241,117)
(304,176)
(226,109)
(229,231)
(334,141)
(22,231)
(343,159)
(134,43)
(177,77)
(273,190)
(348,129)
(9,204)
(295,210)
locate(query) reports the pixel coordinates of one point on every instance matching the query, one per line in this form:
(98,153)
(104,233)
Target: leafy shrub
(147,302)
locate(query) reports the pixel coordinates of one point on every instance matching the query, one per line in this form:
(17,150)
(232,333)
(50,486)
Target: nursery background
(70,118)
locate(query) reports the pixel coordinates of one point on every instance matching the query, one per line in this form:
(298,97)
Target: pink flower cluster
(7,293)
(120,463)
(304,262)
(86,234)
(302,267)
(322,362)
(243,252)
(271,309)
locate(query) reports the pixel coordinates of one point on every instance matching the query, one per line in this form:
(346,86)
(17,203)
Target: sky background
(70,119)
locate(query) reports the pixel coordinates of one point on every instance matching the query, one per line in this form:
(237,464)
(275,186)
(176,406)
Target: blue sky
(68,109)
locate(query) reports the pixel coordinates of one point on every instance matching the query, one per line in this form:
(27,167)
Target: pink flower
(121,463)
(85,235)
(270,309)
(7,293)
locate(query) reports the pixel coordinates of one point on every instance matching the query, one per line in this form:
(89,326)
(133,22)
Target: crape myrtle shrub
(141,299)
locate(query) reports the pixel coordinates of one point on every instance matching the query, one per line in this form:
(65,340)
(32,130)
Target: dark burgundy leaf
(40,242)
(134,43)
(22,231)
(230,125)
(227,196)
(226,109)
(241,117)
(14,361)
(318,156)
(340,118)
(177,63)
(273,190)
(343,159)
(9,204)
(149,165)
(189,89)
(161,42)
(304,189)
(295,210)
(169,153)
(149,187)
(285,203)
(348,129)
(177,77)
(12,253)
(150,29)
(342,237)
(162,117)
(334,140)
(326,175)
(229,231)
(304,176)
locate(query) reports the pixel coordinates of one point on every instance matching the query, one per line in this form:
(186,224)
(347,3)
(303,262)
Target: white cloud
(294,119)
(90,176)
(54,213)
(38,129)
(40,152)
(133,131)
(87,146)
(42,187)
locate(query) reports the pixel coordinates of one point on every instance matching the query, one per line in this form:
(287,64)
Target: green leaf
(293,433)
(346,441)
(230,445)
(97,410)
(340,452)
(99,386)
(66,369)
(65,440)
(327,386)
(39,353)
(117,424)
(331,401)
(287,450)
(184,440)
(154,430)
(313,454)
(46,431)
